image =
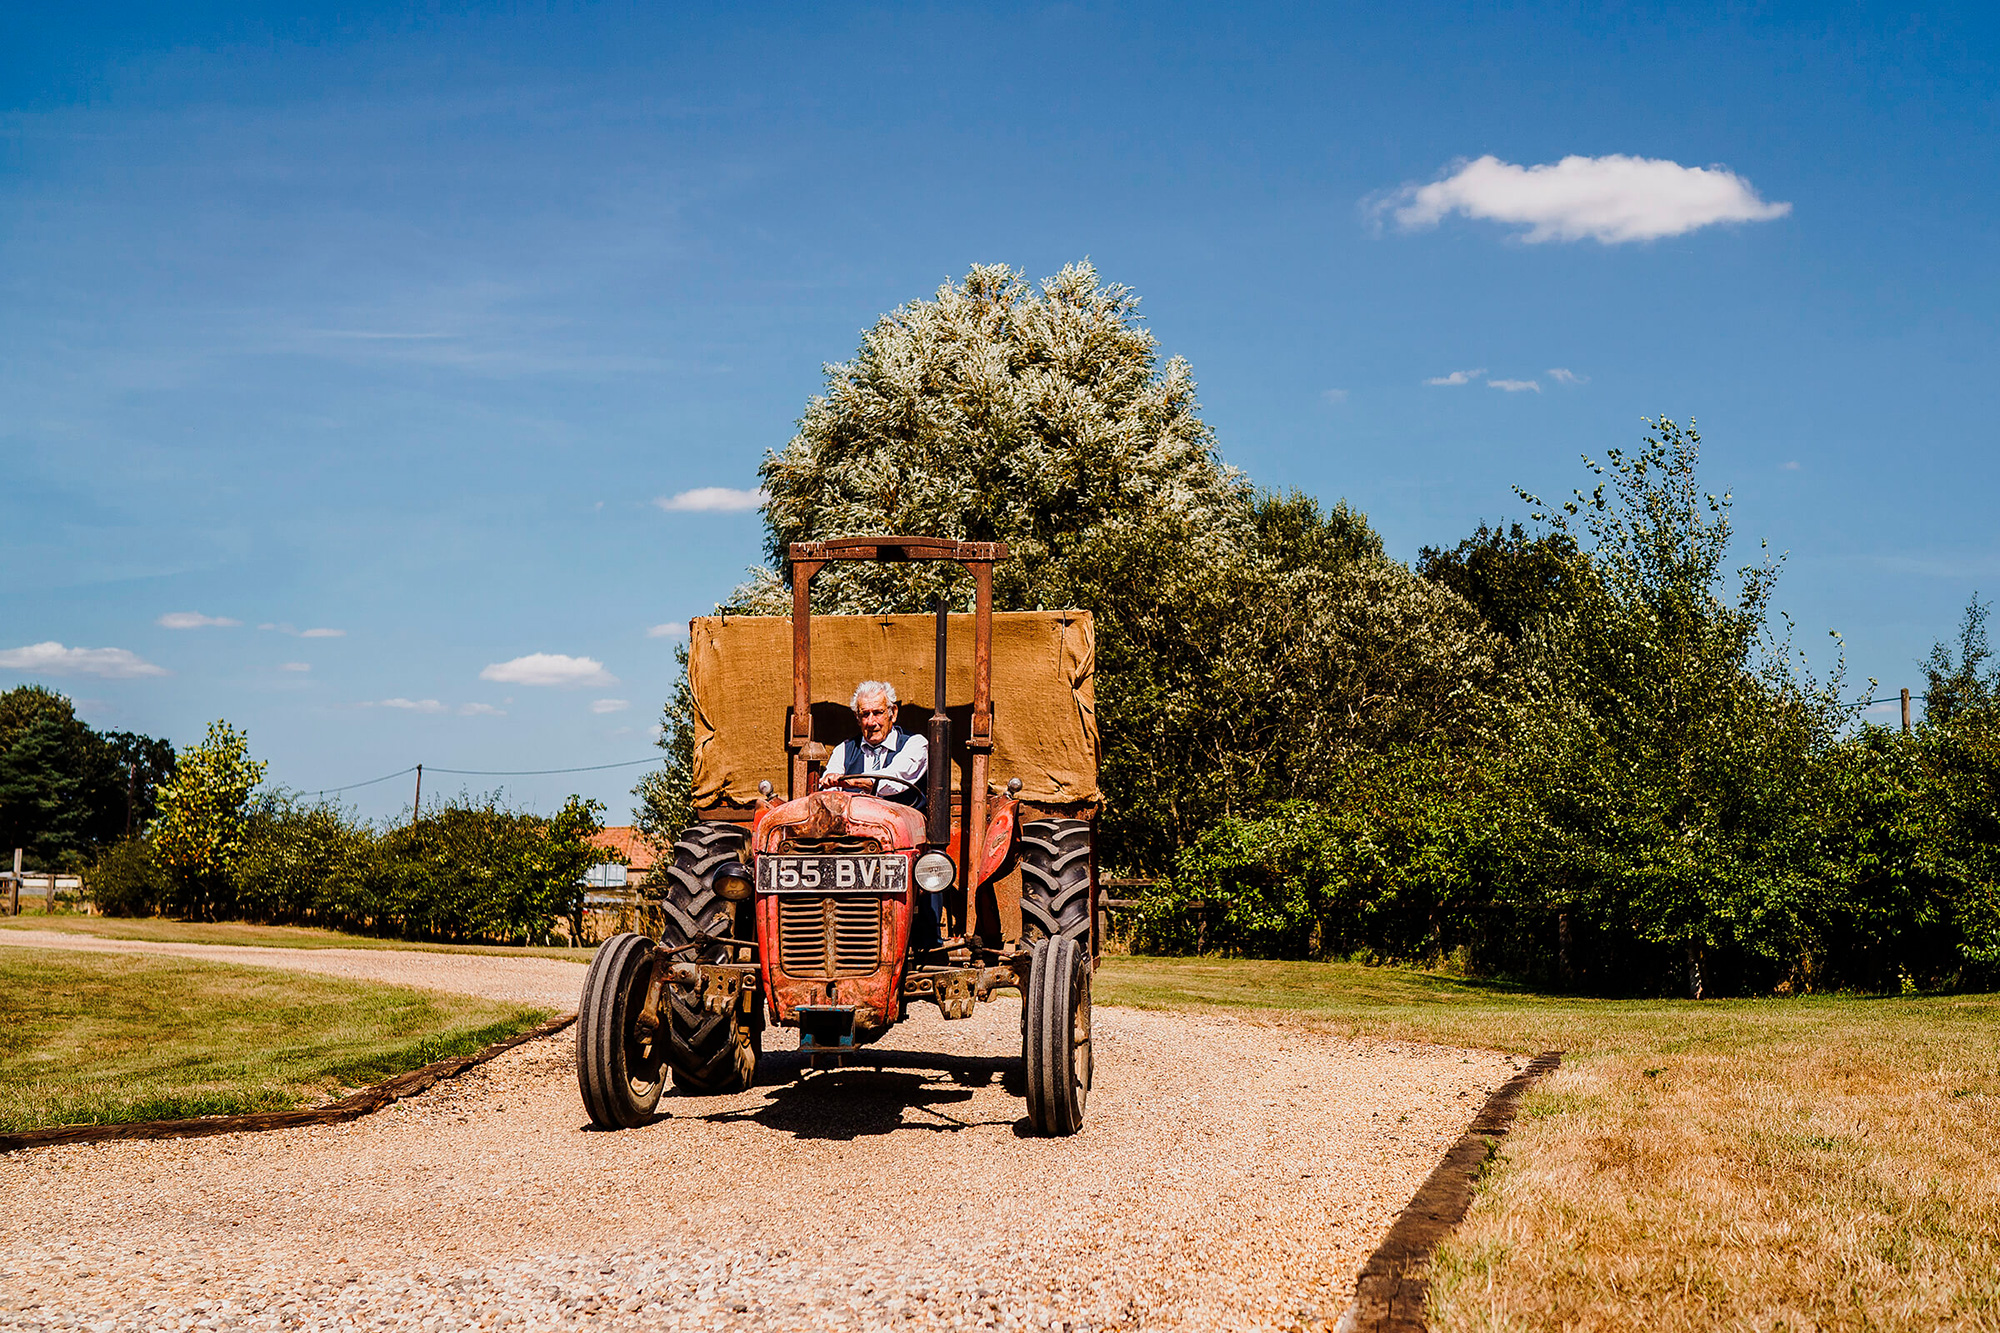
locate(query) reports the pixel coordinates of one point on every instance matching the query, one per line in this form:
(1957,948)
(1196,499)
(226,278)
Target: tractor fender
(1001,817)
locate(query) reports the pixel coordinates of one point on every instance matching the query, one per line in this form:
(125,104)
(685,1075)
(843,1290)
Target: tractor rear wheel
(709,1053)
(618,1069)
(1055,881)
(1056,1048)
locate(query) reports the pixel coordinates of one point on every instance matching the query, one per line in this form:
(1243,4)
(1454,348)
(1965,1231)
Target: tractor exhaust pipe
(938,790)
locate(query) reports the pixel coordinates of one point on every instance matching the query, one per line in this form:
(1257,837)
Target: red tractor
(809,912)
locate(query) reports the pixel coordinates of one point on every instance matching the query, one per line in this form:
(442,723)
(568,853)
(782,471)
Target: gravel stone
(1229,1174)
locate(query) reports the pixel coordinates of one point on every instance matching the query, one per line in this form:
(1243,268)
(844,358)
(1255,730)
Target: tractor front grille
(829,937)
(849,845)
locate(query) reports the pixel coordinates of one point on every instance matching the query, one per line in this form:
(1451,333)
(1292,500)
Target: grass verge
(278,937)
(107,1038)
(1819,1162)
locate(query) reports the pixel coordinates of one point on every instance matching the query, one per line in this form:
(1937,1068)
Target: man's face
(875,716)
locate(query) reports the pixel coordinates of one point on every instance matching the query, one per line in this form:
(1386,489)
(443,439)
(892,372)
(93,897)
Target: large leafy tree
(1673,745)
(67,790)
(203,811)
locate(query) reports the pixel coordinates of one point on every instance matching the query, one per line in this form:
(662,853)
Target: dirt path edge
(351,1107)
(1389,1294)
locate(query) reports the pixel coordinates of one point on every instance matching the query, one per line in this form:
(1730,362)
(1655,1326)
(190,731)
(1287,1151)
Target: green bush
(127,879)
(469,869)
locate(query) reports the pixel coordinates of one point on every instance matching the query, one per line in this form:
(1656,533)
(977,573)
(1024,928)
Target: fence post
(14,887)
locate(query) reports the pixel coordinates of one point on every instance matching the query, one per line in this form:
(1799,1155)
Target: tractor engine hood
(828,815)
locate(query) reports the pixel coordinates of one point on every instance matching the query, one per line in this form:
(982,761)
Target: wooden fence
(29,884)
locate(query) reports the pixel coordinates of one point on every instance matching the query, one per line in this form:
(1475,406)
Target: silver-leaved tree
(1245,640)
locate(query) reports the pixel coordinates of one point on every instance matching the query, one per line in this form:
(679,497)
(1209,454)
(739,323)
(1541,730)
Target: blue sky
(396,324)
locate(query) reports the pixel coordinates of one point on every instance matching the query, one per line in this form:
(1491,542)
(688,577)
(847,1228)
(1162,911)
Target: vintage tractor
(833,910)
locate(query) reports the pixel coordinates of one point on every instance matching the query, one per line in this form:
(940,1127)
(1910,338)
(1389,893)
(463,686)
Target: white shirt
(905,769)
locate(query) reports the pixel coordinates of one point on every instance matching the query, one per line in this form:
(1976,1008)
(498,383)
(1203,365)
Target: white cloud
(409,705)
(1513,386)
(550,669)
(52,659)
(711,500)
(194,620)
(480,710)
(295,666)
(286,627)
(673,629)
(1333,395)
(609,705)
(1792,466)
(1561,376)
(1609,199)
(1458,377)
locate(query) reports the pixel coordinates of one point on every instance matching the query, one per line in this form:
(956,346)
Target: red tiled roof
(625,840)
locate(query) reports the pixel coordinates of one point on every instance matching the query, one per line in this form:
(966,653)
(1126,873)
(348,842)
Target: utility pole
(131,792)
(1906,710)
(417,805)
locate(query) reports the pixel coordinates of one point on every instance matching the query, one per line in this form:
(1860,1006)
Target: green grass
(236,932)
(1815,1162)
(101,1039)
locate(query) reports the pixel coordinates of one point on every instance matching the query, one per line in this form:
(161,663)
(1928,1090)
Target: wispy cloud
(1457,377)
(1334,396)
(480,710)
(1514,386)
(550,669)
(286,627)
(672,629)
(1611,199)
(710,500)
(609,705)
(1561,376)
(295,666)
(52,659)
(194,620)
(1792,466)
(408,705)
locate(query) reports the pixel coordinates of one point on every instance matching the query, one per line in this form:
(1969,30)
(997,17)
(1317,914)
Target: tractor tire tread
(1055,881)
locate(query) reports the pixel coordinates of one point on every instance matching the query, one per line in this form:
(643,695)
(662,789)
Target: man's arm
(909,765)
(836,764)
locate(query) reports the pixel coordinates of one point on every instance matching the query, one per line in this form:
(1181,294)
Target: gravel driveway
(1229,1176)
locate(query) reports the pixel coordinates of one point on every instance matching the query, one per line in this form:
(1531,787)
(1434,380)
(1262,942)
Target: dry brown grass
(1816,1163)
(1848,1185)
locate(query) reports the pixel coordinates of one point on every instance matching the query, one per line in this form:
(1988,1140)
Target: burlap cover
(1044,695)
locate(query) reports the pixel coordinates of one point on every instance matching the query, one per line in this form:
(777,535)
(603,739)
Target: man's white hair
(869,689)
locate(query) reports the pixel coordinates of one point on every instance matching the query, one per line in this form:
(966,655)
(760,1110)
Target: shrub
(127,879)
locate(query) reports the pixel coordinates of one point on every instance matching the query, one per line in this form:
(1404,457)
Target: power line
(328,791)
(490,773)
(540,772)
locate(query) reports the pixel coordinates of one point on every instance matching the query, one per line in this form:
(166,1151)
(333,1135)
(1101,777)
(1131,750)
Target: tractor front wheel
(1056,1046)
(708,1053)
(618,1069)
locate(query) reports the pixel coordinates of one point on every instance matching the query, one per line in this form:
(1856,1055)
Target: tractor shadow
(876,1094)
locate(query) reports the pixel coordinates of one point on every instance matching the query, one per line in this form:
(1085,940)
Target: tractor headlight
(934,872)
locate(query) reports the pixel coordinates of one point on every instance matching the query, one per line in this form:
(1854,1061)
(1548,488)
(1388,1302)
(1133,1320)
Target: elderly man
(887,760)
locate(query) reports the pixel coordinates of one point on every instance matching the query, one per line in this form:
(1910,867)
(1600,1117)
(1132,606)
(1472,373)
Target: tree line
(1582,752)
(206,844)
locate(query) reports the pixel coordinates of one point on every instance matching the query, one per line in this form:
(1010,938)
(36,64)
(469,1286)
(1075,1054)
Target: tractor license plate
(833,874)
